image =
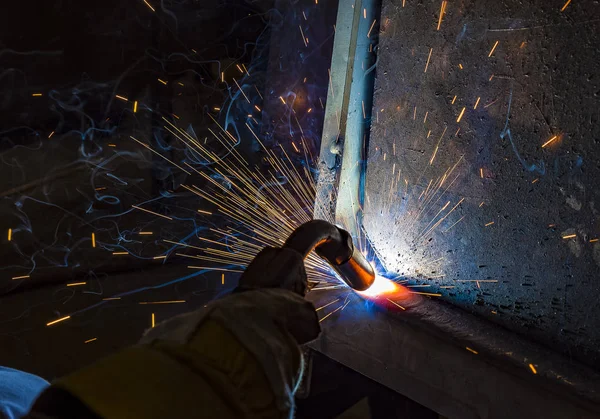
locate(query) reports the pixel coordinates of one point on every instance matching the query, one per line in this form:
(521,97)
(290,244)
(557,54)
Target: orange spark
(148,4)
(565,6)
(371,28)
(493,48)
(152,212)
(58,320)
(461,114)
(328,304)
(428,58)
(162,302)
(442,11)
(551,140)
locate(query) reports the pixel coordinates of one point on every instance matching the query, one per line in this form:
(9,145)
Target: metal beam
(422,353)
(336,110)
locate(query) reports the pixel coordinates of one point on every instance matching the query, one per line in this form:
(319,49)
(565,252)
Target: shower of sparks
(428,58)
(265,216)
(565,6)
(442,11)
(493,48)
(58,320)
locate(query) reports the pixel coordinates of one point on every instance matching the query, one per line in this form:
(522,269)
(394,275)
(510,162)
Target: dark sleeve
(56,403)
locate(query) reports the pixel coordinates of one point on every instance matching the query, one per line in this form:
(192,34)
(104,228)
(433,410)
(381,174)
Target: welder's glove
(238,357)
(275,268)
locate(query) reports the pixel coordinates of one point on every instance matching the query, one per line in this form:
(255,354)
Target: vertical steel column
(350,191)
(347,115)
(336,110)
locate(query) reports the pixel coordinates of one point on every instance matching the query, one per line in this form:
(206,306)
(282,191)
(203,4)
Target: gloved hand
(237,357)
(275,268)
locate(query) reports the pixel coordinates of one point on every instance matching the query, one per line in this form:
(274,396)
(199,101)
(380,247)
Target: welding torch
(280,267)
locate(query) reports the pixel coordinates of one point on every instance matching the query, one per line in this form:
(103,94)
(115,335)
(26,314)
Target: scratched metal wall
(484,161)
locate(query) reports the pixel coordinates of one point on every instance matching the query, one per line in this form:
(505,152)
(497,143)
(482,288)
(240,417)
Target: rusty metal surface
(483,167)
